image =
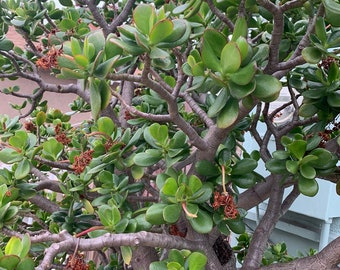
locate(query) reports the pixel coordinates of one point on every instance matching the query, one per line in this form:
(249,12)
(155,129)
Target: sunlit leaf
(311,55)
(308,187)
(144,16)
(228,114)
(160,31)
(230,58)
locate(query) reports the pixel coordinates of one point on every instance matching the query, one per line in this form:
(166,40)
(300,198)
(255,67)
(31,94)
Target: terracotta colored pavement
(55,100)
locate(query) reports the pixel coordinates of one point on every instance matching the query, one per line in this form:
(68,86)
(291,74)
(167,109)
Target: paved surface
(57,101)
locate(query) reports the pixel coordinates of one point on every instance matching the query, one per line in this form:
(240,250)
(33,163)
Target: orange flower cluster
(30,126)
(108,144)
(174,230)
(128,116)
(81,161)
(50,59)
(76,263)
(228,204)
(325,63)
(60,136)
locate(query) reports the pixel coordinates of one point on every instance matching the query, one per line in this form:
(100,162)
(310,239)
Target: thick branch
(265,227)
(44,204)
(67,243)
(326,259)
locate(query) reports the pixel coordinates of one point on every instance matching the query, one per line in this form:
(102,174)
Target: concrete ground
(55,100)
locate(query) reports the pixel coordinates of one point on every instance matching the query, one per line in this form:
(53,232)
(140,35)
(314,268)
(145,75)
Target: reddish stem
(94,228)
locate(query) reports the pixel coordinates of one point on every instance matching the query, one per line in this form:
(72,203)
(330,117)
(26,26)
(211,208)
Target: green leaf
(144,17)
(26,245)
(178,140)
(3,210)
(237,226)
(160,31)
(154,214)
(41,118)
(149,138)
(158,266)
(219,103)
(240,28)
(109,215)
(6,45)
(159,133)
(176,256)
(9,262)
(67,73)
(246,180)
(76,47)
(126,254)
(13,246)
(312,55)
(97,39)
(230,58)
(66,3)
(11,212)
(244,166)
(9,155)
(280,154)
(170,187)
(308,187)
(276,166)
(105,94)
(212,45)
(137,172)
(334,99)
(195,184)
(228,114)
(267,88)
(320,29)
(26,264)
(206,168)
(129,47)
(307,171)
(66,61)
(52,148)
(142,224)
(202,223)
(148,158)
(174,266)
(89,50)
(292,166)
(172,212)
(202,195)
(160,54)
(191,208)
(308,110)
(324,160)
(95,98)
(332,9)
(104,68)
(19,140)
(308,159)
(81,60)
(196,261)
(297,148)
(244,76)
(106,125)
(23,169)
(67,24)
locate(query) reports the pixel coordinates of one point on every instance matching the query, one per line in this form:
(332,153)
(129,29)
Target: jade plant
(181,133)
